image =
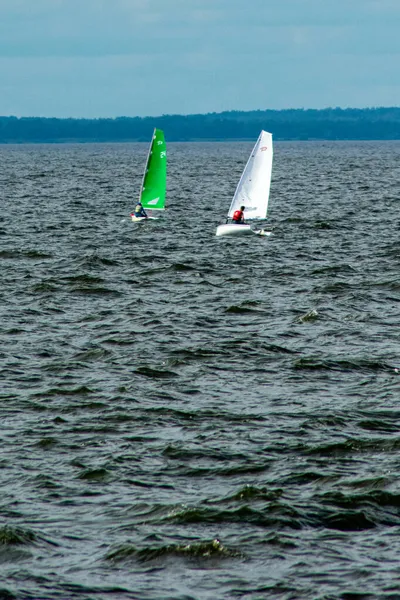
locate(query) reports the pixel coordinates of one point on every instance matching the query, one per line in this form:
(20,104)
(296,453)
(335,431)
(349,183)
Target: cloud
(97,57)
(101,27)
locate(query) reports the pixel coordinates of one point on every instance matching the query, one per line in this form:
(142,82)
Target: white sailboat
(253,188)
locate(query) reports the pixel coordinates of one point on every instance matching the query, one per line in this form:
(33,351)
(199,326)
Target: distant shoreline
(331,124)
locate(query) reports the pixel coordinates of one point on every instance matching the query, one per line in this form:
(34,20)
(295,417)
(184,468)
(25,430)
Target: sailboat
(154,183)
(252,191)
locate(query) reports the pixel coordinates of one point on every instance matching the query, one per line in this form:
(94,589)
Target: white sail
(252,191)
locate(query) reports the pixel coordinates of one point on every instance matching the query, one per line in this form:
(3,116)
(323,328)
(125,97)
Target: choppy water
(191,417)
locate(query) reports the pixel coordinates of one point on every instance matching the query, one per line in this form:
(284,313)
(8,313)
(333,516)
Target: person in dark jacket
(139,210)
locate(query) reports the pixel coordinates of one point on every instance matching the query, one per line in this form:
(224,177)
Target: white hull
(234,229)
(138,219)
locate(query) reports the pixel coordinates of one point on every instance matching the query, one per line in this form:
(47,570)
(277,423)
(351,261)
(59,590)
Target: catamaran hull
(138,219)
(231,229)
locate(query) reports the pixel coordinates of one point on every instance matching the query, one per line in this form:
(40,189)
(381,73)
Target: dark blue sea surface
(186,417)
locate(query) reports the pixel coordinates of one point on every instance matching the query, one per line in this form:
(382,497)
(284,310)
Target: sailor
(139,210)
(238,216)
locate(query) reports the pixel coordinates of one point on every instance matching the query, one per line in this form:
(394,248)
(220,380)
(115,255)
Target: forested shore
(294,124)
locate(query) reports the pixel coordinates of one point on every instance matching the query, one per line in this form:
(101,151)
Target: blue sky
(108,58)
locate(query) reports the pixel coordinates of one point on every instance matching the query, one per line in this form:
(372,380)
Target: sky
(110,58)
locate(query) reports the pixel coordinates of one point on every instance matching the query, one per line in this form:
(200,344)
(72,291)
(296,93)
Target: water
(191,417)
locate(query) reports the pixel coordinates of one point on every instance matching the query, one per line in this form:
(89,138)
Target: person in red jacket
(238,216)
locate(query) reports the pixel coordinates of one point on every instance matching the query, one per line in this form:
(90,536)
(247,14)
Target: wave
(25,254)
(343,364)
(13,536)
(155,373)
(194,550)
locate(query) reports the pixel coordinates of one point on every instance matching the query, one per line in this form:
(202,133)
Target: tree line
(291,124)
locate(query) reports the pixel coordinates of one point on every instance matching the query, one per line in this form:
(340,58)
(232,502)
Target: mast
(147,163)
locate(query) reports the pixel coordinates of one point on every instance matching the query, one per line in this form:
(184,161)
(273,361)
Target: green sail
(154,183)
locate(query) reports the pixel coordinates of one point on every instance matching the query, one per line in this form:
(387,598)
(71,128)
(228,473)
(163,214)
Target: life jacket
(237,215)
(138,210)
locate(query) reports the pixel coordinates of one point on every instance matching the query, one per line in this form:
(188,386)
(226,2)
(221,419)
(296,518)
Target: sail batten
(252,191)
(153,189)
